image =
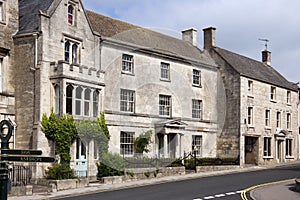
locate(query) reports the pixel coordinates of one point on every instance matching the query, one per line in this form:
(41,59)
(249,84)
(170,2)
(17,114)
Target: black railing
(20,175)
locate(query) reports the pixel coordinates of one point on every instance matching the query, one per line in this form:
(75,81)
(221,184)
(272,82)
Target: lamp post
(4,136)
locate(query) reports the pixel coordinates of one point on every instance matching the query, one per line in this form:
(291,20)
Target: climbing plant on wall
(62,131)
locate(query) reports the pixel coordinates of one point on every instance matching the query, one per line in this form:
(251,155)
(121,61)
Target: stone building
(261,108)
(8,26)
(78,62)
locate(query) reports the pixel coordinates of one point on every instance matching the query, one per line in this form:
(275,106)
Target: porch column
(166,155)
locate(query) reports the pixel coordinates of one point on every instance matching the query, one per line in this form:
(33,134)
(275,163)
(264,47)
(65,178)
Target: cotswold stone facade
(77,62)
(8,26)
(261,123)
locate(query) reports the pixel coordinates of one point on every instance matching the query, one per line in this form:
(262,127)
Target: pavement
(284,190)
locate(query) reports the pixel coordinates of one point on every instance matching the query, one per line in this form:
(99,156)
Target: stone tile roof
(122,31)
(254,69)
(28,14)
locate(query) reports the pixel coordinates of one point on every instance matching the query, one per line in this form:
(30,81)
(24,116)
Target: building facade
(261,108)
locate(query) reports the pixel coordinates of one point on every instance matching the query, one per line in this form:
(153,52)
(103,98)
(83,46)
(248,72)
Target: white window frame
(71,15)
(250,120)
(197,106)
(273,93)
(288,97)
(288,121)
(289,148)
(267,147)
(72,53)
(87,101)
(165,71)
(57,99)
(267,118)
(278,119)
(196,77)
(165,105)
(127,143)
(250,87)
(127,100)
(127,63)
(197,145)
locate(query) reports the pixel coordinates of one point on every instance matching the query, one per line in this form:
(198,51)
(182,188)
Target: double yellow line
(244,196)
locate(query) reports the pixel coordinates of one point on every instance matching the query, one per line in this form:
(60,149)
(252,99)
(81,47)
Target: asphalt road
(217,187)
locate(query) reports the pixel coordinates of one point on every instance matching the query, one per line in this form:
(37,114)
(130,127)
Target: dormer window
(71,14)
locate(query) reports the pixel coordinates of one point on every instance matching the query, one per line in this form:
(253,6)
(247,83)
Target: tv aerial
(266,42)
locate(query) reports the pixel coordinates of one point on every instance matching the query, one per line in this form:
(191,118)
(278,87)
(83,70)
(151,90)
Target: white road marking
(239,192)
(220,195)
(209,197)
(230,193)
(197,199)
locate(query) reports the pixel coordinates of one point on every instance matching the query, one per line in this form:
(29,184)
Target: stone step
(41,189)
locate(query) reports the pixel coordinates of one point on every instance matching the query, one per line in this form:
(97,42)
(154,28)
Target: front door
(280,150)
(81,158)
(251,150)
(172,145)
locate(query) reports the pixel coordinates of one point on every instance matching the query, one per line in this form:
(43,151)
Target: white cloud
(239,23)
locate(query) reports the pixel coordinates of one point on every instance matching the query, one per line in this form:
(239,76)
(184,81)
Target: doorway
(81,158)
(172,145)
(251,150)
(280,150)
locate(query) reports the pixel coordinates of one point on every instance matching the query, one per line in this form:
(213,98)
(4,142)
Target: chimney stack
(190,35)
(209,37)
(266,57)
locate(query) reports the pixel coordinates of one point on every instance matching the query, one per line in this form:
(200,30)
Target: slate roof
(28,14)
(254,69)
(125,32)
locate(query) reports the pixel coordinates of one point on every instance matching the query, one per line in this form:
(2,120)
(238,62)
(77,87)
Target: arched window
(95,103)
(74,53)
(69,99)
(57,101)
(87,98)
(70,14)
(78,100)
(67,51)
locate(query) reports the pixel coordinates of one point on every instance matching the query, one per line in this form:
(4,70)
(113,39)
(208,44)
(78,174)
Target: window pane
(69,99)
(70,14)
(164,105)
(197,109)
(165,71)
(196,77)
(74,53)
(78,100)
(67,51)
(57,101)
(127,63)
(126,143)
(197,145)
(127,100)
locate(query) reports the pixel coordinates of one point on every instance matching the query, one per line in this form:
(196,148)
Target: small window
(87,99)
(67,51)
(273,93)
(250,87)
(289,147)
(126,143)
(197,109)
(127,100)
(288,97)
(1,75)
(74,53)
(250,116)
(288,121)
(127,63)
(1,11)
(278,119)
(57,99)
(165,71)
(197,145)
(69,99)
(71,14)
(95,103)
(78,100)
(165,105)
(196,77)
(71,52)
(267,118)
(267,146)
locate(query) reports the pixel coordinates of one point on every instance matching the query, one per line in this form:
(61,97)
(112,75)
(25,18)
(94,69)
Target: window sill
(288,104)
(2,22)
(196,85)
(273,100)
(250,96)
(289,157)
(165,80)
(267,157)
(128,73)
(250,126)
(268,128)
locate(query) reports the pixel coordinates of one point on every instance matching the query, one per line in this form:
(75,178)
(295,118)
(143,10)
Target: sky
(239,24)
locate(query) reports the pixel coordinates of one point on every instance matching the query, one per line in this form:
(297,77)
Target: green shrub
(130,173)
(111,164)
(104,171)
(60,172)
(147,174)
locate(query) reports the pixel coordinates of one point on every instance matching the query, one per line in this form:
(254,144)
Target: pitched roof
(254,69)
(29,14)
(125,32)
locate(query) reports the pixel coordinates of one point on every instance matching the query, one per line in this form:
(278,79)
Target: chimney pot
(209,37)
(266,57)
(190,35)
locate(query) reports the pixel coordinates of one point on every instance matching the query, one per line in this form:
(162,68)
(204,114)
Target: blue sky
(239,23)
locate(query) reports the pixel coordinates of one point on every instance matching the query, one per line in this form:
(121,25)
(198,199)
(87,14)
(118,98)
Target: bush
(104,171)
(60,172)
(147,174)
(110,165)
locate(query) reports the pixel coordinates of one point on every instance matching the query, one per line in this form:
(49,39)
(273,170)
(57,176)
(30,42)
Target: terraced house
(78,62)
(261,108)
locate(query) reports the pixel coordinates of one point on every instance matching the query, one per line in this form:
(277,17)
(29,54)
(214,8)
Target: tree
(142,141)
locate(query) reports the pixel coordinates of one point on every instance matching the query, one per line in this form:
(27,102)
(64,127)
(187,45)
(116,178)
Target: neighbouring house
(79,62)
(8,26)
(261,108)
